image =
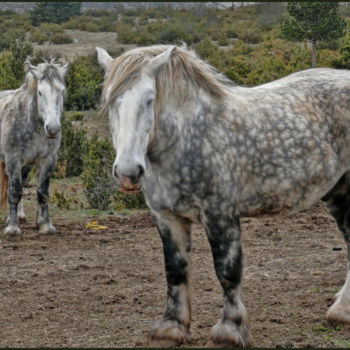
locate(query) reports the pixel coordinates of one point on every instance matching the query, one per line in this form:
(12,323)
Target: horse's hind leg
(12,230)
(223,232)
(173,329)
(338,204)
(20,209)
(43,218)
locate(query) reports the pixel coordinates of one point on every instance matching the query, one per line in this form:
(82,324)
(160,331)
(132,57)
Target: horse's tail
(4,181)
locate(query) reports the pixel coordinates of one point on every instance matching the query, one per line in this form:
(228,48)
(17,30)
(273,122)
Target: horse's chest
(165,193)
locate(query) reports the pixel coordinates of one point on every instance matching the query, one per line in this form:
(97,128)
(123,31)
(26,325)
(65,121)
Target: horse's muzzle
(128,177)
(52,132)
(127,186)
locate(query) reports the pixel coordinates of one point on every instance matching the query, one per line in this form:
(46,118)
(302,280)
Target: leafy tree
(54,12)
(313,22)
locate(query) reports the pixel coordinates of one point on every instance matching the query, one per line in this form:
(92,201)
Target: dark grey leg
(20,209)
(224,236)
(43,218)
(176,237)
(12,230)
(25,174)
(338,204)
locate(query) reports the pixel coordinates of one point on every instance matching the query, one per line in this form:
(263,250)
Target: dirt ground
(86,288)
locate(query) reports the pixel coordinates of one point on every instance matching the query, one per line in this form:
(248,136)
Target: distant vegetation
(54,12)
(245,43)
(314,22)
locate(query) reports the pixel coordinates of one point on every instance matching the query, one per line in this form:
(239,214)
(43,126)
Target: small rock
(337,248)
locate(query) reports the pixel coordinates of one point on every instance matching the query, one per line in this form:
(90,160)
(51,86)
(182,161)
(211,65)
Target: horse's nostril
(115,174)
(141,171)
(132,173)
(52,130)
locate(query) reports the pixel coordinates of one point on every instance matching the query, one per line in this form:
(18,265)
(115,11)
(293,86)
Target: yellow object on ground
(94,225)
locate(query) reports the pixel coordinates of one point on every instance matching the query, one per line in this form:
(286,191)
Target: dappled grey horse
(204,150)
(30,134)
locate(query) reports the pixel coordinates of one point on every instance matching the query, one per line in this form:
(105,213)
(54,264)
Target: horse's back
(322,77)
(299,131)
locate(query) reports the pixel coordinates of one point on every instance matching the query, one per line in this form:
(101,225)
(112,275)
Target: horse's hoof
(339,312)
(22,218)
(13,233)
(228,335)
(169,334)
(47,229)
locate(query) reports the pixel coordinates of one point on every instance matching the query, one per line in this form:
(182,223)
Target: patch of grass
(333,290)
(319,328)
(341,343)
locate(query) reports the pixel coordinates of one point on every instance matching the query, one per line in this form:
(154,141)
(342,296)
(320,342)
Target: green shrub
(173,33)
(7,77)
(5,41)
(61,38)
(222,39)
(252,36)
(83,80)
(125,34)
(100,188)
(123,201)
(92,27)
(343,61)
(231,33)
(72,152)
(64,200)
(50,28)
(144,38)
(39,37)
(12,65)
(77,116)
(99,185)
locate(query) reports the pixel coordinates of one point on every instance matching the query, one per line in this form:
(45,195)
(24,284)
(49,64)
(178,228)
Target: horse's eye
(149,102)
(39,93)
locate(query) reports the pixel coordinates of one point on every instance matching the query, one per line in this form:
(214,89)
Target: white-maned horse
(206,151)
(30,134)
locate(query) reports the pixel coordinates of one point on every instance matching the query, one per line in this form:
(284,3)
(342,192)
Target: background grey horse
(30,135)
(206,151)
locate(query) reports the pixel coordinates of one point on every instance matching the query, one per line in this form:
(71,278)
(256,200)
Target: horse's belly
(286,195)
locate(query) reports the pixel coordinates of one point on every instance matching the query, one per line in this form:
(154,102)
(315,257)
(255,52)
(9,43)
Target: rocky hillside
(26,6)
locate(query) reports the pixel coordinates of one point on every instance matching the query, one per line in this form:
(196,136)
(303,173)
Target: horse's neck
(27,104)
(178,120)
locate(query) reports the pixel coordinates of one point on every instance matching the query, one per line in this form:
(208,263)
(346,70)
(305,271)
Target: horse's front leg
(25,174)
(338,204)
(12,230)
(174,327)
(224,237)
(43,218)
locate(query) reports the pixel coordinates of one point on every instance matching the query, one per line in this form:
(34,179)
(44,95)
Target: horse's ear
(103,58)
(159,61)
(34,70)
(64,69)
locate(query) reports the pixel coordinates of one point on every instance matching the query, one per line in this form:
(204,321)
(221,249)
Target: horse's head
(132,117)
(50,91)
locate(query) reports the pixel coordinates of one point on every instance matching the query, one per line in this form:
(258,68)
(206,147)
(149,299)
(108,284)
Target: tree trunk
(314,54)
